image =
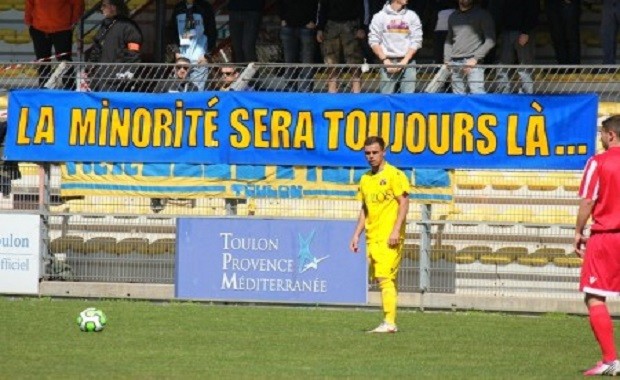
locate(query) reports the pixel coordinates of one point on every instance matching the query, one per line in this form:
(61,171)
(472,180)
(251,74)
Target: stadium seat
(542,182)
(569,261)
(411,251)
(541,256)
(554,216)
(446,252)
(509,180)
(473,180)
(101,244)
(471,253)
(503,256)
(66,243)
(132,245)
(162,246)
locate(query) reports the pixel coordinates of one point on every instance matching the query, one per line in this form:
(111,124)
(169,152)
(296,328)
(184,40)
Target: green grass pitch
(39,338)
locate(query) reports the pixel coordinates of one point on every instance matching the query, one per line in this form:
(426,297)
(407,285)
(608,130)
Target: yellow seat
(509,180)
(67,243)
(473,180)
(446,252)
(569,261)
(132,245)
(542,182)
(554,216)
(503,256)
(162,246)
(411,251)
(471,253)
(101,244)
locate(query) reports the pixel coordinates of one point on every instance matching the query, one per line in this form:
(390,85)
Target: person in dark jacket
(298,35)
(244,22)
(118,40)
(192,34)
(518,19)
(341,31)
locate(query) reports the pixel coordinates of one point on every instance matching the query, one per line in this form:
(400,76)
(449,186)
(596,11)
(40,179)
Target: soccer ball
(92,319)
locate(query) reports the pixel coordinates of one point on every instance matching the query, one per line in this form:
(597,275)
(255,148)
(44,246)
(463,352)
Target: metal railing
(504,236)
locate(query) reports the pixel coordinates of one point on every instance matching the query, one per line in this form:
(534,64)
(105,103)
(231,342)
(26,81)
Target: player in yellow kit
(384,192)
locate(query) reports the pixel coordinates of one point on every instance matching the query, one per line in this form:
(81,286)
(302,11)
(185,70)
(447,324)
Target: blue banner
(263,128)
(293,261)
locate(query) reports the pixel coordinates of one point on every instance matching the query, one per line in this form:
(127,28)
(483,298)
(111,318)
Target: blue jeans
(299,46)
(406,78)
(198,75)
(475,79)
(511,53)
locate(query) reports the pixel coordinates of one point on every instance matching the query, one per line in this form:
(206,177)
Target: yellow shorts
(383,260)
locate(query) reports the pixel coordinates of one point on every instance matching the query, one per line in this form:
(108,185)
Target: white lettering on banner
(7,264)
(10,241)
(262,265)
(248,243)
(235,282)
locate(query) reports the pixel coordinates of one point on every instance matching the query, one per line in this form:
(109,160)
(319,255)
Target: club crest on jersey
(383,182)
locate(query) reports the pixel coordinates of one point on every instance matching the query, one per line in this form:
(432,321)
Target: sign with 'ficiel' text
(19,253)
(293,261)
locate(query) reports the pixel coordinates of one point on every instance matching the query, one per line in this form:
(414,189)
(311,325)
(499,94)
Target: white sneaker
(385,327)
(604,369)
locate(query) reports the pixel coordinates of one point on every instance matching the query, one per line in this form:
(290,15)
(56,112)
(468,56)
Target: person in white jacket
(395,36)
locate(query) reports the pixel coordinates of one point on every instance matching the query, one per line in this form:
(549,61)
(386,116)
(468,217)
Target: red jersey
(601,183)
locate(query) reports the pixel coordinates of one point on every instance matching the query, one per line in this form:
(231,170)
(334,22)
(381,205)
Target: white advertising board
(20,237)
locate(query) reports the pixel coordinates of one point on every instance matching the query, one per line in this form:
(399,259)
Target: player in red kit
(600,273)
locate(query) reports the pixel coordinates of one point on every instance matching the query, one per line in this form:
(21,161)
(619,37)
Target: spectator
(395,35)
(563,17)
(298,35)
(230,80)
(244,22)
(340,31)
(519,19)
(118,40)
(50,23)
(179,82)
(192,34)
(444,10)
(610,22)
(471,34)
(371,8)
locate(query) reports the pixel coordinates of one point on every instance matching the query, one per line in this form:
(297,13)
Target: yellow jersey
(378,191)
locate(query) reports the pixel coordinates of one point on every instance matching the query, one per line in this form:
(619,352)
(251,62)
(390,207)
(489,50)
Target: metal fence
(508,234)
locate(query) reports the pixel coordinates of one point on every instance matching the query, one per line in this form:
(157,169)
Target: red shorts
(600,273)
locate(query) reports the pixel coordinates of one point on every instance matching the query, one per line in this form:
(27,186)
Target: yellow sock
(388,299)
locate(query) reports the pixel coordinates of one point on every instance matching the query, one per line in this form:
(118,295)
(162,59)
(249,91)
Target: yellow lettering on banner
(487,144)
(355,130)
(304,131)
(104,118)
(536,142)
(22,136)
(281,121)
(141,128)
(120,128)
(210,129)
(512,147)
(83,127)
(243,138)
(45,127)
(178,123)
(463,139)
(439,134)
(260,128)
(162,128)
(398,144)
(194,117)
(415,133)
(333,128)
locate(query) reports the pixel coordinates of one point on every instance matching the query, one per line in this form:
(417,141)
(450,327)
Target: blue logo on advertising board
(269,260)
